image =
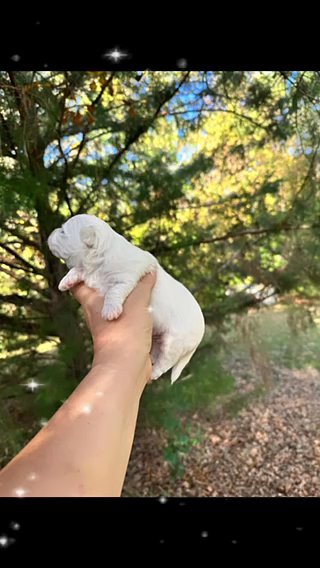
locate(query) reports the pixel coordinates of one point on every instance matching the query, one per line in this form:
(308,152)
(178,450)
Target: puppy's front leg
(73,277)
(113,302)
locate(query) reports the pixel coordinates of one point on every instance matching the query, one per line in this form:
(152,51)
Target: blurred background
(217,175)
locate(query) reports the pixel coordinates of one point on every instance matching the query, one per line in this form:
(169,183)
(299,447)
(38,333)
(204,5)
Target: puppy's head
(80,238)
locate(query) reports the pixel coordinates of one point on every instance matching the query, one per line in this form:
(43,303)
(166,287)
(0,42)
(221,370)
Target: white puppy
(107,262)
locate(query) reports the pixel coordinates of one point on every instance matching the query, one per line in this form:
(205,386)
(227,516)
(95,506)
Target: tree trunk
(74,340)
(63,310)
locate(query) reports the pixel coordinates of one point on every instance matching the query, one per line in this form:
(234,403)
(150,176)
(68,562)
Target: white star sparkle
(32,477)
(4,541)
(204,534)
(162,500)
(20,492)
(32,385)
(14,526)
(182,63)
(86,409)
(116,55)
(15,58)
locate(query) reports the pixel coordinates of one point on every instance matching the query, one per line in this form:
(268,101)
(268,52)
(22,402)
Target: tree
(209,171)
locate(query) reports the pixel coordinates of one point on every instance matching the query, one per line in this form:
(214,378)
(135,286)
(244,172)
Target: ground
(270,447)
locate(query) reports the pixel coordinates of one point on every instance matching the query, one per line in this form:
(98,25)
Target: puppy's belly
(175,310)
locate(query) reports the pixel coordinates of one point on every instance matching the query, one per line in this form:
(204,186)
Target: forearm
(85,448)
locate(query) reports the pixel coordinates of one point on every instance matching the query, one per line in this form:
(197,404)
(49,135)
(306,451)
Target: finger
(81,292)
(141,294)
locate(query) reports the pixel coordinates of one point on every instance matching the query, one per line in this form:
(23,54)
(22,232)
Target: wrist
(130,369)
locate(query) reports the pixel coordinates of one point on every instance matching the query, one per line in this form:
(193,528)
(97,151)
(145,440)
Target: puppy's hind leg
(166,357)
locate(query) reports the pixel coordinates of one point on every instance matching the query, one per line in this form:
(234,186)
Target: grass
(163,403)
(12,437)
(286,337)
(283,335)
(171,406)
(235,404)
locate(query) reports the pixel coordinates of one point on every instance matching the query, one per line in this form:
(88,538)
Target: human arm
(85,448)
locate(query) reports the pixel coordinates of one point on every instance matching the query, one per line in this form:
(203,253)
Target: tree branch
(94,103)
(131,140)
(25,301)
(22,260)
(239,114)
(18,325)
(25,240)
(278,229)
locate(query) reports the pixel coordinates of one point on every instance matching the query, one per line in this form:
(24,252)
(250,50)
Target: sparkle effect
(163,500)
(32,477)
(204,534)
(15,58)
(182,63)
(4,541)
(116,55)
(86,409)
(32,385)
(20,492)
(14,526)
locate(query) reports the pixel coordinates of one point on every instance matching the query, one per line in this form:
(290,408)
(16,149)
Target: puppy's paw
(155,375)
(111,311)
(67,283)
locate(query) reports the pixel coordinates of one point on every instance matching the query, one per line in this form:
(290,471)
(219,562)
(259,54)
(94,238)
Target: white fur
(107,262)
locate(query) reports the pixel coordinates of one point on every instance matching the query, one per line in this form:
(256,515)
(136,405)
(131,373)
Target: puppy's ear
(88,236)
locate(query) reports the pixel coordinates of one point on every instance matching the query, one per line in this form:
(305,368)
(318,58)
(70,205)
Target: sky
(186,99)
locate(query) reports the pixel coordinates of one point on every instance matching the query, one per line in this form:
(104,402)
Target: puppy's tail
(178,368)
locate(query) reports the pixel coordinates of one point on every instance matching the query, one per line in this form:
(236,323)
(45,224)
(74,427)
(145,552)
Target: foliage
(216,173)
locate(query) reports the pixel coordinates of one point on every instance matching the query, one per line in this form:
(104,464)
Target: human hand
(130,336)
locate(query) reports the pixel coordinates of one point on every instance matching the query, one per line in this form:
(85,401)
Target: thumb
(141,294)
(81,292)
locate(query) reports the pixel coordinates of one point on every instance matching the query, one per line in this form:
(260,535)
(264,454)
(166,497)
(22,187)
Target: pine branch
(267,231)
(131,140)
(94,103)
(64,184)
(22,260)
(25,240)
(16,266)
(18,325)
(25,301)
(228,111)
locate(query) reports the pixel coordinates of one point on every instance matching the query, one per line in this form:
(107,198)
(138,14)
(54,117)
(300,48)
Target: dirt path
(270,448)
